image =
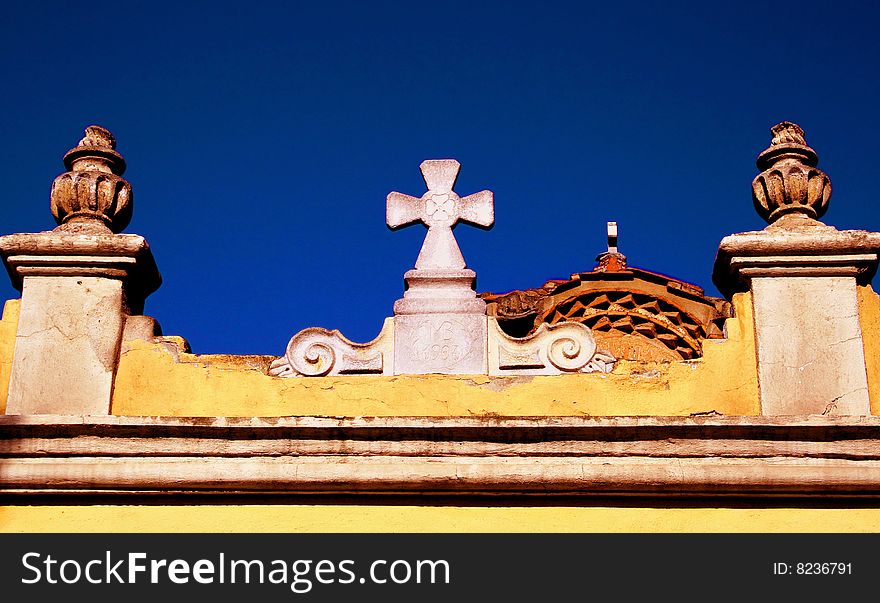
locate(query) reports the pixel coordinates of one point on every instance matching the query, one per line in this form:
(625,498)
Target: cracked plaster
(65,318)
(810,352)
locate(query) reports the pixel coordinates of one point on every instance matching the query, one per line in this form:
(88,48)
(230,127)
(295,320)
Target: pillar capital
(795,247)
(124,257)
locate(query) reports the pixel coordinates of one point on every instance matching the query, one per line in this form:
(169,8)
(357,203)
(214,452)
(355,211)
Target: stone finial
(790,182)
(92,196)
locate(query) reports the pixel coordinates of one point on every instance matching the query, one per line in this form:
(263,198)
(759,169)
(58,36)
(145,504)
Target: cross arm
(478,209)
(402,210)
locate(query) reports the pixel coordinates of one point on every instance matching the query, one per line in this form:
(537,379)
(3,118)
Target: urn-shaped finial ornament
(789,181)
(92,196)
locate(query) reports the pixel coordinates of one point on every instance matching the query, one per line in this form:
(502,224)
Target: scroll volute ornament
(92,197)
(790,181)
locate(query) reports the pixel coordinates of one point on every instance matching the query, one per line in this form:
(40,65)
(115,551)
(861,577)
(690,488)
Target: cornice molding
(755,457)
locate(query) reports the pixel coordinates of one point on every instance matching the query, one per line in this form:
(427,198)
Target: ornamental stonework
(789,181)
(440,325)
(92,196)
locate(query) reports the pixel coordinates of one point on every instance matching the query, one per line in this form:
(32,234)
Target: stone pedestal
(803,277)
(440,325)
(77,291)
(440,291)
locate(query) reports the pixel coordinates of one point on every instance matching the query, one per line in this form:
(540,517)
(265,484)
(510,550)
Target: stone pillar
(802,275)
(79,284)
(440,325)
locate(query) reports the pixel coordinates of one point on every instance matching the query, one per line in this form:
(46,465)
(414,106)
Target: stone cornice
(799,247)
(120,256)
(757,457)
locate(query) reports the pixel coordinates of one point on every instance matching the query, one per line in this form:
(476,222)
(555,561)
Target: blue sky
(262,138)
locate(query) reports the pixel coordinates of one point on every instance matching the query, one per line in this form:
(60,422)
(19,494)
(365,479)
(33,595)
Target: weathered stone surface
(124,256)
(790,181)
(66,346)
(77,291)
(440,282)
(440,209)
(451,344)
(440,291)
(567,347)
(92,196)
(440,324)
(316,352)
(810,353)
(795,246)
(141,327)
(818,457)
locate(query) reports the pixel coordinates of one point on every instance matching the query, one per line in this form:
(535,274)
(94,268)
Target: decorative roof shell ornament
(632,313)
(789,181)
(92,197)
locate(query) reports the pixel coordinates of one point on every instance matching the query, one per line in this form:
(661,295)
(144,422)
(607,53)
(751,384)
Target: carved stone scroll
(567,347)
(317,352)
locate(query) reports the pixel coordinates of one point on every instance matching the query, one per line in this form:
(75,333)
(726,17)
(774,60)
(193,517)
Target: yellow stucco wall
(869,312)
(149,375)
(159,379)
(8,327)
(152,380)
(382,518)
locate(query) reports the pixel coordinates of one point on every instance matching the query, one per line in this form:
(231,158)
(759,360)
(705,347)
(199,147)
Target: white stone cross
(440,209)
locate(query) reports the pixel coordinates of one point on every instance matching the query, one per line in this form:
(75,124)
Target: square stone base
(810,354)
(452,344)
(67,346)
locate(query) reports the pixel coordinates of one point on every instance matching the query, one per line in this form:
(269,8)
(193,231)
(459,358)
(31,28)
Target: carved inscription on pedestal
(440,346)
(440,343)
